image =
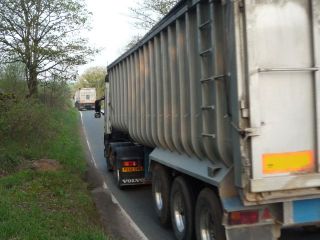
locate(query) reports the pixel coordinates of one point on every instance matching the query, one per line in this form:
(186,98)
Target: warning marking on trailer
(132,169)
(291,162)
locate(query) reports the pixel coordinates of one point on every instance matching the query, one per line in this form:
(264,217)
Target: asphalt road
(137,202)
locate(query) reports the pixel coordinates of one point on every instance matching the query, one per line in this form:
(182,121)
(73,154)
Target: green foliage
(29,130)
(54,93)
(51,205)
(12,79)
(45,37)
(28,125)
(9,162)
(67,146)
(47,205)
(25,120)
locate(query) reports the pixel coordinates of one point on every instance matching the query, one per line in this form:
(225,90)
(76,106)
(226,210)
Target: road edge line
(88,144)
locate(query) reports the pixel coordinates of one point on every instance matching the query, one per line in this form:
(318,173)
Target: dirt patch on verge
(46,165)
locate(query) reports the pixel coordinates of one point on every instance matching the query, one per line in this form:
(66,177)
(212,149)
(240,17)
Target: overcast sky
(111,29)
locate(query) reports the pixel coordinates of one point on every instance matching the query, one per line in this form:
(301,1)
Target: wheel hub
(118,176)
(179,212)
(158,195)
(206,225)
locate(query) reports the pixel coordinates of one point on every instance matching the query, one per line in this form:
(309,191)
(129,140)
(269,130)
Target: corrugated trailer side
(176,98)
(170,94)
(182,101)
(223,98)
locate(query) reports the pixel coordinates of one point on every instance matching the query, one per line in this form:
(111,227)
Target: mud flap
(253,232)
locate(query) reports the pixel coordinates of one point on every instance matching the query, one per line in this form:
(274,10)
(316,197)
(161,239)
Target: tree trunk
(32,81)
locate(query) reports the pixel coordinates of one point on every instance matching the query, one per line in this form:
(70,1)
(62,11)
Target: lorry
(85,98)
(219,107)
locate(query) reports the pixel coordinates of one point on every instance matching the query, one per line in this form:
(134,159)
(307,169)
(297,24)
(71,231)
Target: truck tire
(108,155)
(118,178)
(208,219)
(182,209)
(109,167)
(161,184)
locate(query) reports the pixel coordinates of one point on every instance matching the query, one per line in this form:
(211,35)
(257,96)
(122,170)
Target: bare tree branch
(148,12)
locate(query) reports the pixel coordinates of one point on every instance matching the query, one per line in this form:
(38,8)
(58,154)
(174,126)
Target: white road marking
(132,223)
(113,198)
(89,146)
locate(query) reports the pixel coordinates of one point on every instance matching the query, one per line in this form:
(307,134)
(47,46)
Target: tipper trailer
(85,98)
(219,105)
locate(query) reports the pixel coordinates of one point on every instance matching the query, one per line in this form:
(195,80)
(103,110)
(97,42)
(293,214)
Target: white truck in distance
(85,98)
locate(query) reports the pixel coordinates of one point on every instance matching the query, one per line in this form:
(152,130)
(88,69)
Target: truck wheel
(117,177)
(182,212)
(161,183)
(209,217)
(116,172)
(108,155)
(109,167)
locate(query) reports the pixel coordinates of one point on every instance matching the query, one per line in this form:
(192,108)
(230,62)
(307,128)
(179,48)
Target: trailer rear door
(87,95)
(283,38)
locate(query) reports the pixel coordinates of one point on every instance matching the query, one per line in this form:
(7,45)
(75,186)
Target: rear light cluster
(131,163)
(249,216)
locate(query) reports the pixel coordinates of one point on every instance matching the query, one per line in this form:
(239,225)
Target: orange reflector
(288,162)
(132,169)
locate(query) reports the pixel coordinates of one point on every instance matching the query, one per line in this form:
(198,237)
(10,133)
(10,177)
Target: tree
(134,40)
(93,77)
(44,35)
(148,12)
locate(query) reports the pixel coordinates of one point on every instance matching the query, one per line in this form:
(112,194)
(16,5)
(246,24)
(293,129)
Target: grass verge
(47,205)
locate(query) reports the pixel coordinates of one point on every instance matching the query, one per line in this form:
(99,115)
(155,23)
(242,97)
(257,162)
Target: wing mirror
(97,115)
